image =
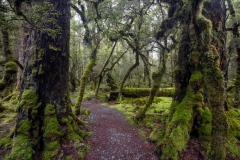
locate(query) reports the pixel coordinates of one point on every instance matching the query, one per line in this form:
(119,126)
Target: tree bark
(45,120)
(10,62)
(130,69)
(236,36)
(157,78)
(102,72)
(84,78)
(193,75)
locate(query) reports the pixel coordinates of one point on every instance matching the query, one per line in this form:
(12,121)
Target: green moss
(51,149)
(206,116)
(50,110)
(52,146)
(156,134)
(24,127)
(11,67)
(233,116)
(85,112)
(21,148)
(51,133)
(69,158)
(51,125)
(143,92)
(74,133)
(196,77)
(51,129)
(5,142)
(204,23)
(29,100)
(83,81)
(180,121)
(233,147)
(142,134)
(64,120)
(82,149)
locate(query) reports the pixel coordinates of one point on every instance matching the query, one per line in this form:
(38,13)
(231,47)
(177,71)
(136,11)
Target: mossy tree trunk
(130,69)
(7,82)
(193,75)
(84,79)
(216,12)
(111,82)
(45,122)
(236,46)
(10,62)
(157,78)
(83,82)
(90,41)
(102,72)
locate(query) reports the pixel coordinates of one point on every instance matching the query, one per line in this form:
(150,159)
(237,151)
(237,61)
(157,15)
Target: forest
(120,79)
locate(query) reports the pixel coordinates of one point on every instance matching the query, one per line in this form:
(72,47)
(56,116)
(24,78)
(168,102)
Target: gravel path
(114,138)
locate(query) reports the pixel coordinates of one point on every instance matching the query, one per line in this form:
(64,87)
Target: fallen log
(141,92)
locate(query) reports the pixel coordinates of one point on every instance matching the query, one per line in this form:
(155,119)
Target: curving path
(114,138)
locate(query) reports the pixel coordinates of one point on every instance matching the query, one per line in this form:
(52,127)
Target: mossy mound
(157,115)
(11,67)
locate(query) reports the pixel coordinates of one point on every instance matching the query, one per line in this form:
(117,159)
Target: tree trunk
(216,12)
(236,36)
(102,73)
(157,78)
(84,79)
(83,82)
(7,82)
(45,122)
(200,70)
(127,75)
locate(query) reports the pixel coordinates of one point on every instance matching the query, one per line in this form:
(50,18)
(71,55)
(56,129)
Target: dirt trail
(114,138)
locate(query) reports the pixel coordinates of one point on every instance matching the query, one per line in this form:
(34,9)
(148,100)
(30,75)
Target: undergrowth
(156,118)
(8,115)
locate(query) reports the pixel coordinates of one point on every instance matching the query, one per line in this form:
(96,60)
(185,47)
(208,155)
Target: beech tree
(45,121)
(195,75)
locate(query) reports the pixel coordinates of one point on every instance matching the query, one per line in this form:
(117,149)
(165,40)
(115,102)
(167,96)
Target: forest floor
(113,137)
